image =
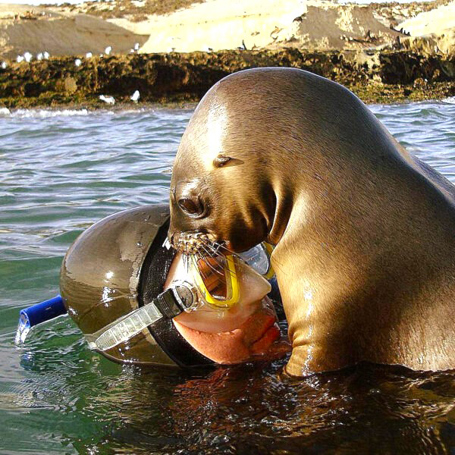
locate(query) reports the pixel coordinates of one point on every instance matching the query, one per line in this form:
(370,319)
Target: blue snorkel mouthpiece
(37,314)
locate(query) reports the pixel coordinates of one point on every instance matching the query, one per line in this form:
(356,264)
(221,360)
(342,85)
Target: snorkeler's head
(139,301)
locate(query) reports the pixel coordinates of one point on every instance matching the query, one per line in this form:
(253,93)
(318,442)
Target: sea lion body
(364,232)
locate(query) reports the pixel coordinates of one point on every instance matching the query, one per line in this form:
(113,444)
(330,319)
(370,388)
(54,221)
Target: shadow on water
(252,408)
(366,409)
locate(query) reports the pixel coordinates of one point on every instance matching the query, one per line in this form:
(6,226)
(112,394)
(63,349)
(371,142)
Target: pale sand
(213,25)
(218,25)
(342,27)
(25,28)
(437,21)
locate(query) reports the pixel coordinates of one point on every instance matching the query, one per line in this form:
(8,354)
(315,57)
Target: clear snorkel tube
(168,304)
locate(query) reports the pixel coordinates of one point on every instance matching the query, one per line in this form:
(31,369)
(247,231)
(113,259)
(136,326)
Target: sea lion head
(254,144)
(216,189)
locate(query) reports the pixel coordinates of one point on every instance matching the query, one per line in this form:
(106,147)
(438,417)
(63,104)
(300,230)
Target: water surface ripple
(62,170)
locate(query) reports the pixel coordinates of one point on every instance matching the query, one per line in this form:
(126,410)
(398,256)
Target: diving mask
(116,278)
(210,294)
(228,291)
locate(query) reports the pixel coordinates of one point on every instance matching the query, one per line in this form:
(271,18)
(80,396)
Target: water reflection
(257,409)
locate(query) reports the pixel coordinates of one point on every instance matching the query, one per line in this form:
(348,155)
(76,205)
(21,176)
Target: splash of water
(23,329)
(37,314)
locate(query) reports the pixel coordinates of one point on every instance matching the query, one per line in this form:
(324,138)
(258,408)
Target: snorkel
(38,314)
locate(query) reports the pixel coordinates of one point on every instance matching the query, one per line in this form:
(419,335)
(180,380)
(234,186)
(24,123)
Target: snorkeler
(139,301)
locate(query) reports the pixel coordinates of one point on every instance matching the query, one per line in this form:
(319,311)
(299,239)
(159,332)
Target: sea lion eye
(190,206)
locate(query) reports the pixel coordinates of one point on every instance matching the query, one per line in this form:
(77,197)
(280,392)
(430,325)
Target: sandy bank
(434,30)
(257,24)
(35,30)
(437,21)
(219,25)
(209,26)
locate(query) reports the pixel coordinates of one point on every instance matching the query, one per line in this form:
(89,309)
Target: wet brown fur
(364,232)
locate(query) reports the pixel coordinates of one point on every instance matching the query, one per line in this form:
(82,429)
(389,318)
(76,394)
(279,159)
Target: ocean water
(62,170)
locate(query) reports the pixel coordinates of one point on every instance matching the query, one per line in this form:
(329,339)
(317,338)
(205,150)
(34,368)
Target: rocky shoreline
(72,55)
(375,76)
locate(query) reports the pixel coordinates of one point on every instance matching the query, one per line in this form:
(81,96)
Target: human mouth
(269,335)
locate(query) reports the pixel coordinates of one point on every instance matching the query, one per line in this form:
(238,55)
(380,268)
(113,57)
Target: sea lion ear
(224,161)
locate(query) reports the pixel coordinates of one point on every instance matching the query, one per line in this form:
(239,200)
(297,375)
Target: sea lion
(364,231)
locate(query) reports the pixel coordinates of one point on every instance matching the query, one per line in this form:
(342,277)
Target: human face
(255,335)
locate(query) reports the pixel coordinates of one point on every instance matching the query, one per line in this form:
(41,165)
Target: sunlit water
(60,172)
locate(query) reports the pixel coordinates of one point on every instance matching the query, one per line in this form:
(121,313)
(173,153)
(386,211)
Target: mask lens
(258,258)
(213,275)
(225,308)
(217,280)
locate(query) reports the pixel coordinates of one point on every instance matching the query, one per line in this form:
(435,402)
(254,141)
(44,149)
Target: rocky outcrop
(375,76)
(431,32)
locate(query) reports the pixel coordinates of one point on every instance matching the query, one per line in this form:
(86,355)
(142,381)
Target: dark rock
(376,76)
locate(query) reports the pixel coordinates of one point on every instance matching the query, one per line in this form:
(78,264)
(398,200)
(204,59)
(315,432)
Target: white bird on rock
(108,50)
(88,55)
(27,56)
(107,99)
(135,96)
(19,59)
(78,62)
(46,55)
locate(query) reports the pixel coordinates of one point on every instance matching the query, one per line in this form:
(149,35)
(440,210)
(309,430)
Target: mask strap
(168,304)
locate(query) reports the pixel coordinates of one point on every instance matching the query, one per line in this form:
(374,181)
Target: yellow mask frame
(232,284)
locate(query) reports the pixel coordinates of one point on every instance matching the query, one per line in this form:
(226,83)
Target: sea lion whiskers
(190,242)
(229,251)
(200,246)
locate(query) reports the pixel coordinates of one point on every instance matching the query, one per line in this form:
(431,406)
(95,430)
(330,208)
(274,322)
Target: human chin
(251,339)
